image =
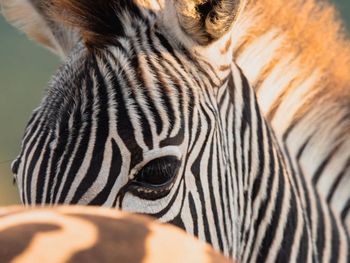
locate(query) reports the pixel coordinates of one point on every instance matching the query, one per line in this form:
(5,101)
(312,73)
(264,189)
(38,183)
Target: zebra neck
(301,88)
(255,170)
(218,55)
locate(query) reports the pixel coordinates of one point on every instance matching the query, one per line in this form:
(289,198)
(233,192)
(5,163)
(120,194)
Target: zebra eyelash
(149,156)
(156,178)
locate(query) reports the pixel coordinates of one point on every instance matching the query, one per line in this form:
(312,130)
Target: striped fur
(88,234)
(153,102)
(297,56)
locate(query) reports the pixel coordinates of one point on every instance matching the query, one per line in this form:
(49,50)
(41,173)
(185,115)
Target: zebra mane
(99,21)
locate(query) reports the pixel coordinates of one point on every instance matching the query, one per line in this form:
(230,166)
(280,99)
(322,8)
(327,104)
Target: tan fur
(302,81)
(315,39)
(313,35)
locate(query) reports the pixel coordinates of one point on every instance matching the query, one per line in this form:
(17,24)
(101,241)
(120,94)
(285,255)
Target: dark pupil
(159,171)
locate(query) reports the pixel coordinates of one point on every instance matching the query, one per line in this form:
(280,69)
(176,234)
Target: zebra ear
(33,18)
(207,20)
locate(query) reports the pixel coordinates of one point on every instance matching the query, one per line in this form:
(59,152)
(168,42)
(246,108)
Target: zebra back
(91,234)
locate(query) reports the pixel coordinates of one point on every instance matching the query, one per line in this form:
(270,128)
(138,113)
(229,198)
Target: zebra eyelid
(155,154)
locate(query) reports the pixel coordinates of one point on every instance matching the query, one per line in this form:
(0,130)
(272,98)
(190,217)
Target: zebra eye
(156,178)
(15,166)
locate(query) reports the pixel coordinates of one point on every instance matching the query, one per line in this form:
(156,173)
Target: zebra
(94,234)
(158,94)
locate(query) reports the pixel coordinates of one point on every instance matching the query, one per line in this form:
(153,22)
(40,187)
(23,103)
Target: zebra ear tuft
(207,20)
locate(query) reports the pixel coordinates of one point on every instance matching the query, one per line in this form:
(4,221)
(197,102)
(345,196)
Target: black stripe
(289,232)
(324,164)
(335,243)
(337,181)
(194,215)
(40,186)
(114,172)
(212,196)
(304,246)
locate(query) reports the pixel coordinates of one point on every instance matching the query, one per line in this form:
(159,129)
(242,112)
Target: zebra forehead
(90,82)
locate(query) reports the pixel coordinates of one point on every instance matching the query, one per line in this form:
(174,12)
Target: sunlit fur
(298,58)
(295,54)
(153,90)
(90,234)
(37,26)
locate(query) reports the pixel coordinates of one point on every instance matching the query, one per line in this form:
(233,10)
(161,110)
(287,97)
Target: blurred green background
(25,68)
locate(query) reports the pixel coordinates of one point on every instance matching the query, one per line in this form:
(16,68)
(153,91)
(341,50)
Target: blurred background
(25,68)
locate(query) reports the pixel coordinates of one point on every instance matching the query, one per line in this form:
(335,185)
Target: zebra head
(148,114)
